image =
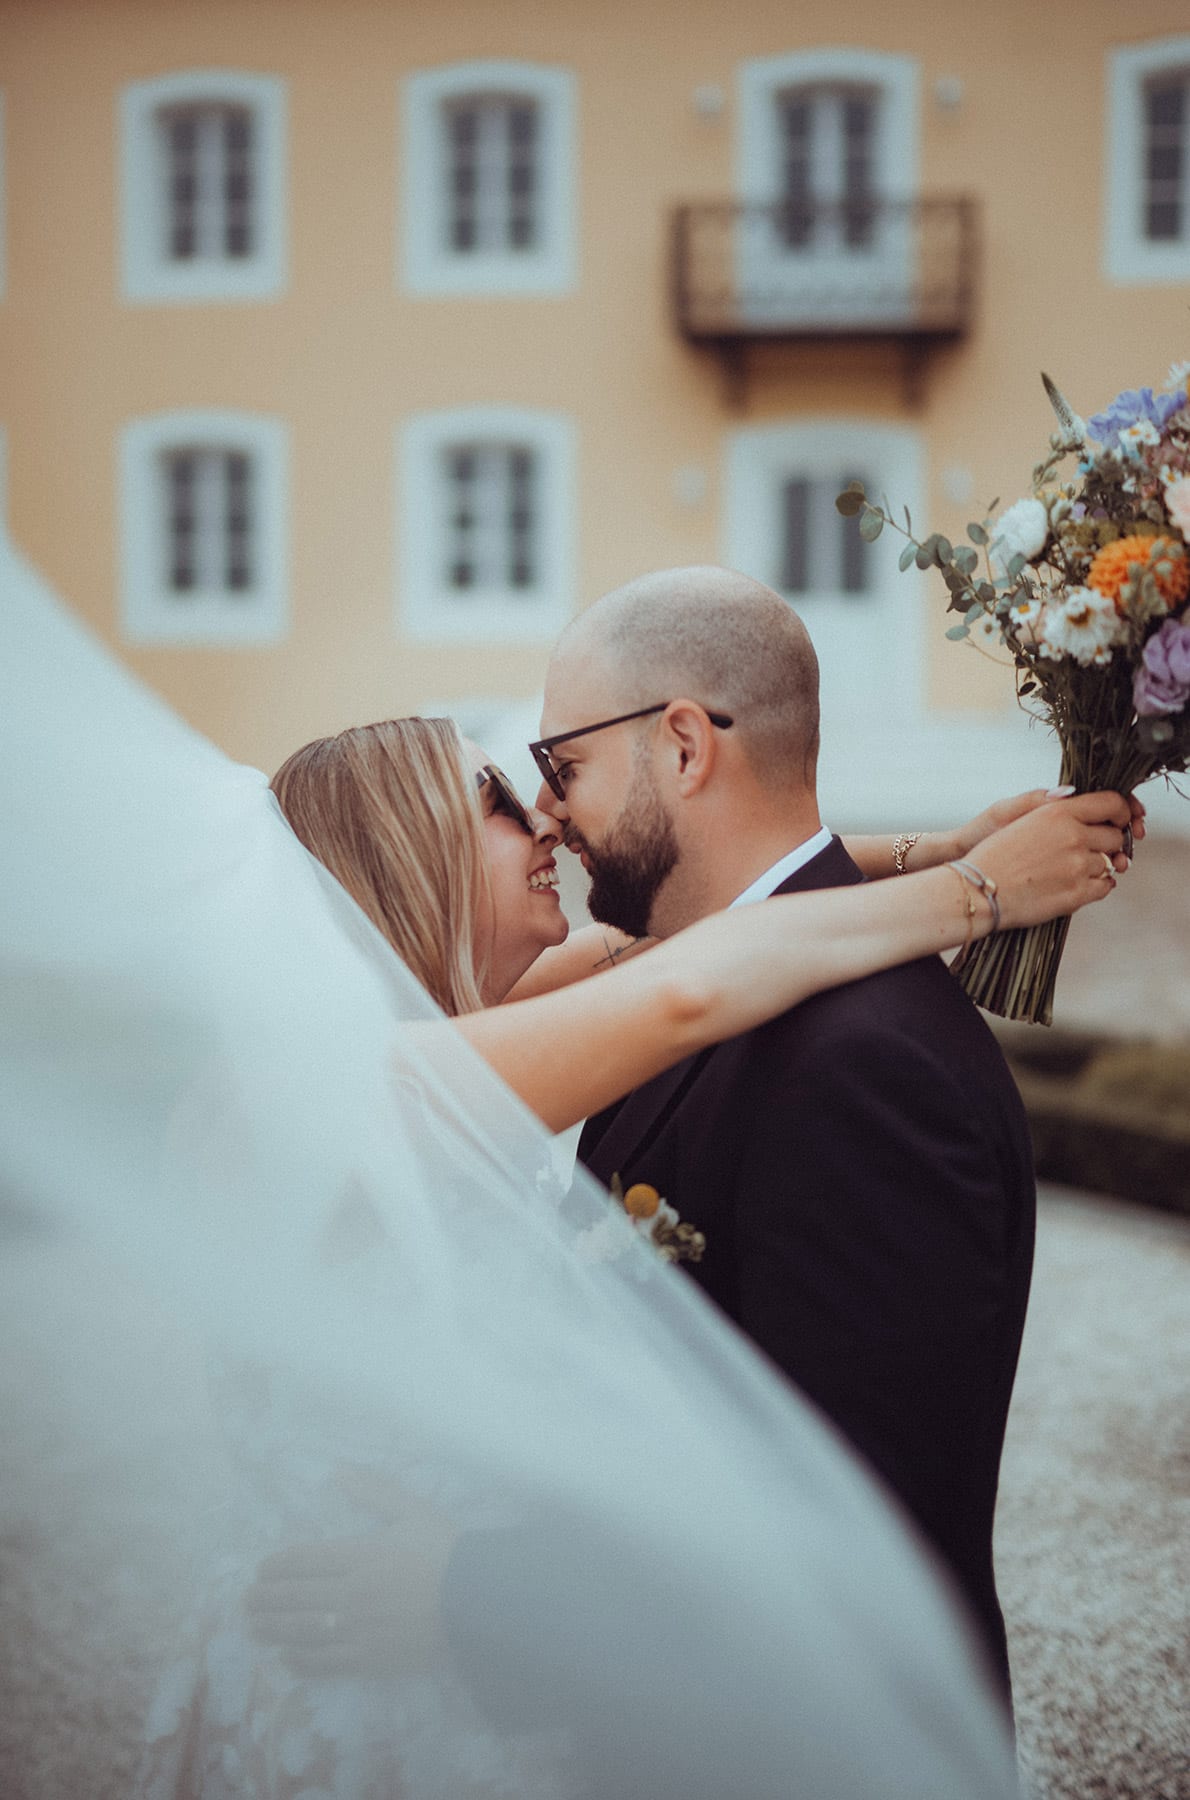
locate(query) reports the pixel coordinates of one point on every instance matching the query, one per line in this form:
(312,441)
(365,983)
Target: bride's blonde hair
(392,811)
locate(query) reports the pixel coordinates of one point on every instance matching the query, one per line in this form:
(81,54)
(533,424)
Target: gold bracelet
(975,879)
(902,845)
(984,883)
(969,897)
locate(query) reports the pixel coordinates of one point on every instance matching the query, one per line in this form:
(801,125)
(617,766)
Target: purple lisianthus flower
(1133,407)
(1162,683)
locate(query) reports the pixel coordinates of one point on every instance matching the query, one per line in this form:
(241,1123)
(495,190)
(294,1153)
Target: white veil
(282,1262)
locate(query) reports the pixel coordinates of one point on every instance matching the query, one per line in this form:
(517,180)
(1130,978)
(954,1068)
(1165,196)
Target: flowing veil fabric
(284,1263)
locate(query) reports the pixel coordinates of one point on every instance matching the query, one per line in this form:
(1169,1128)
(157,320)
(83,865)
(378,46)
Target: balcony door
(781,525)
(827,165)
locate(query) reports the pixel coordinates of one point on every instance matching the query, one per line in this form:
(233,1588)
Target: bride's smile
(526,913)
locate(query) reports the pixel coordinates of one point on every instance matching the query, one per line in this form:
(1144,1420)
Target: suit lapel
(641,1116)
(645,1112)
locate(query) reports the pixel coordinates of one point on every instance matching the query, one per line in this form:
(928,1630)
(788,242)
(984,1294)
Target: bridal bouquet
(1085,583)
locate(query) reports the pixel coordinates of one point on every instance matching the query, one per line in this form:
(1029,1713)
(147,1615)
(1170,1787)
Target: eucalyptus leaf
(976,533)
(986,592)
(958,631)
(975,612)
(943,550)
(1016,564)
(965,558)
(923,556)
(871,525)
(850,502)
(1026,687)
(906,557)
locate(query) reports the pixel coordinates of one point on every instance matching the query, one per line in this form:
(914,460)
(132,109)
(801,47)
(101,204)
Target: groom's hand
(364,1606)
(1003,812)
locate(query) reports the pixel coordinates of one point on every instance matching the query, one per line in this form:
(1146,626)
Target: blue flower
(1132,407)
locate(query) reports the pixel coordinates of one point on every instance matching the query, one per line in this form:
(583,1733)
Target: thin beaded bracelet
(983,884)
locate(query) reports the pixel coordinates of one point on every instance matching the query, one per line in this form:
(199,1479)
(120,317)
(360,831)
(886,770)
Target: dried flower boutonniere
(658,1222)
(644,1213)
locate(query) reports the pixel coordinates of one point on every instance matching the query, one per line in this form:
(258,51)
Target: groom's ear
(688,738)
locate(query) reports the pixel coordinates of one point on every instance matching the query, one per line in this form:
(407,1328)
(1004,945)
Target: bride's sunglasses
(507,799)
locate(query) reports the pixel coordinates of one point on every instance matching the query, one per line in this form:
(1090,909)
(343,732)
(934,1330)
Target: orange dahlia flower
(1110,569)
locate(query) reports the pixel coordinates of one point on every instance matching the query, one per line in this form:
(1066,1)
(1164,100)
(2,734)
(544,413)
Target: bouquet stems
(1015,973)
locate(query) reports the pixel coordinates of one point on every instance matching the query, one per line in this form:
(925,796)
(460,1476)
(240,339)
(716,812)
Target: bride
(432,842)
(258,1192)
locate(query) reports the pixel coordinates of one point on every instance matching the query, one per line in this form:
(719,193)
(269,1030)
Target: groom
(860,1167)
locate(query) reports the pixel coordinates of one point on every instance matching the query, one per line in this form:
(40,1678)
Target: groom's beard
(636,857)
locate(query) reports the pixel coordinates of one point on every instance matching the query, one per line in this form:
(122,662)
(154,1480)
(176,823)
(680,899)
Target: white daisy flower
(986,633)
(1138,435)
(1024,618)
(1084,625)
(1179,375)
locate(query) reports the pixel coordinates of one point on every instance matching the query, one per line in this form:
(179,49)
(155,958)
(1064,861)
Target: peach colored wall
(344,355)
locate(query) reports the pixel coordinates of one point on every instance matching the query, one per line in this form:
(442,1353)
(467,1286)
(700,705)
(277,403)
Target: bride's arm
(876,856)
(593,948)
(569,1054)
(587,951)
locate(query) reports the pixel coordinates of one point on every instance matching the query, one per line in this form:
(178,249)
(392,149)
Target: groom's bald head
(720,638)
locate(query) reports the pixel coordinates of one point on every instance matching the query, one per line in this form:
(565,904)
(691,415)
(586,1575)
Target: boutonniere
(650,1217)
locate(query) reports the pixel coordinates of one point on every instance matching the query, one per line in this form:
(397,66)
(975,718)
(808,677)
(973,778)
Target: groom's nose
(548,802)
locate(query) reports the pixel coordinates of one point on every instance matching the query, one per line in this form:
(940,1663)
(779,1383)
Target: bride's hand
(1056,857)
(362,1606)
(1005,812)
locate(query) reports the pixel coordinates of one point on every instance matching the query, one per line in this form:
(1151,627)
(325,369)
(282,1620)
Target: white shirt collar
(771,880)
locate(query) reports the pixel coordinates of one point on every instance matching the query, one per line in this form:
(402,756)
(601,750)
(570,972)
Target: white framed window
(1147,225)
(825,137)
(819,551)
(203,516)
(489,173)
(203,206)
(486,525)
(781,526)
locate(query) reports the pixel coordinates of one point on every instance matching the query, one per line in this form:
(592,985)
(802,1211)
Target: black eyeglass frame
(540,749)
(507,798)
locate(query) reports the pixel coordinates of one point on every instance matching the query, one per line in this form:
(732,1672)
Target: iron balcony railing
(863,267)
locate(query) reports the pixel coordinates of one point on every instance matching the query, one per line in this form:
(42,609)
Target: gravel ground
(1093,1529)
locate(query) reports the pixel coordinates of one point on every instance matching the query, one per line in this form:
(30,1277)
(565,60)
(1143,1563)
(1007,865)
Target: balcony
(896,272)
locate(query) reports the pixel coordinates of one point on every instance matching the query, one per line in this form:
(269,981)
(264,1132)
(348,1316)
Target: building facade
(347,349)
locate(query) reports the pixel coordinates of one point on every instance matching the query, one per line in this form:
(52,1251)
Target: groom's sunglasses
(540,750)
(507,799)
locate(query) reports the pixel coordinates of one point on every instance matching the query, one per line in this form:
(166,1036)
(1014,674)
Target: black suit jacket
(862,1169)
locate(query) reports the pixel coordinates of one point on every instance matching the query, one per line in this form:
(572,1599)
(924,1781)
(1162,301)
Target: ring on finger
(1109,867)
